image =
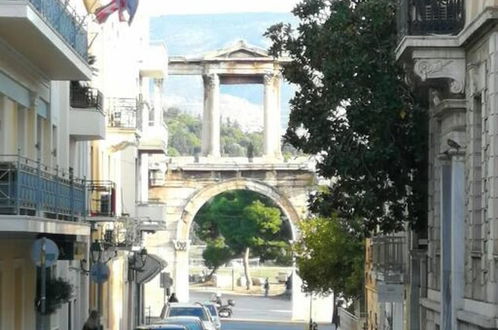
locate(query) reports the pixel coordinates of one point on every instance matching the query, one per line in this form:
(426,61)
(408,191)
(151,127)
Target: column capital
(211,80)
(447,64)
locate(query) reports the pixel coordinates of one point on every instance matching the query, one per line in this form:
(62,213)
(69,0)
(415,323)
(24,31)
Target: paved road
(268,313)
(253,307)
(239,325)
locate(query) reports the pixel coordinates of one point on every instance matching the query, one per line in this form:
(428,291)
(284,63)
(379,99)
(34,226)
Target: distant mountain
(198,34)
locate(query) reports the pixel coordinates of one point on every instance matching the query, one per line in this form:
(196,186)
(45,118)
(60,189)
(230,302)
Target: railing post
(17,177)
(38,188)
(71,192)
(57,184)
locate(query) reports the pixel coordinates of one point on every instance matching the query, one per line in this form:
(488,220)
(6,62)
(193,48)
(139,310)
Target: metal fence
(84,97)
(425,17)
(102,198)
(389,254)
(27,187)
(122,113)
(65,22)
(349,321)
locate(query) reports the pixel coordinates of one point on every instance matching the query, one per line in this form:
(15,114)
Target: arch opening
(230,277)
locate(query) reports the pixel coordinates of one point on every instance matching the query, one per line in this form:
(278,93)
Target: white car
(197,310)
(214,314)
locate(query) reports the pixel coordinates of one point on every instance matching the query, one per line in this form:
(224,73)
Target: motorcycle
(225,311)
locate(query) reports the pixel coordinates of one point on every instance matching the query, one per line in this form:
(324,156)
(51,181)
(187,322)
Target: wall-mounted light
(137,260)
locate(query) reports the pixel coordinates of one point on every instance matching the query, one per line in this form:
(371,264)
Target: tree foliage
(185,136)
(216,254)
(239,220)
(330,258)
(353,109)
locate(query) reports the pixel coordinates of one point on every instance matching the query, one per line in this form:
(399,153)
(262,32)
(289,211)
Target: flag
(131,6)
(104,12)
(120,6)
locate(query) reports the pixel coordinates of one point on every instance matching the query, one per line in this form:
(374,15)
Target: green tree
(353,109)
(330,258)
(216,254)
(246,222)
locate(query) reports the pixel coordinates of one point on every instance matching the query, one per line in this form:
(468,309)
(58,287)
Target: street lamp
(138,260)
(96,251)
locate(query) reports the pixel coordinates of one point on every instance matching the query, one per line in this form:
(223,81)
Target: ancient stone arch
(205,194)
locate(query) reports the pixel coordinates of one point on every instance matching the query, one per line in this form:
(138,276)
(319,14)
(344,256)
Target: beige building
(450,51)
(128,68)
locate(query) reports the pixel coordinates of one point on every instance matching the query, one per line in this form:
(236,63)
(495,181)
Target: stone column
(158,87)
(181,280)
(211,116)
(272,129)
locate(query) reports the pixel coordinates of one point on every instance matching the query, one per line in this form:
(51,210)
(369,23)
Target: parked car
(197,310)
(189,322)
(162,327)
(214,314)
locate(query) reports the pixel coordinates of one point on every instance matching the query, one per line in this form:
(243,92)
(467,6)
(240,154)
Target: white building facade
(450,52)
(44,157)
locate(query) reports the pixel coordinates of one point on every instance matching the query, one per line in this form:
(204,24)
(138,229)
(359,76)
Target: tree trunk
(246,270)
(210,276)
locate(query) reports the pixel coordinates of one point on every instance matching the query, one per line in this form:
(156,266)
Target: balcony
(102,200)
(48,34)
(30,188)
(154,138)
(430,17)
(389,258)
(122,113)
(87,119)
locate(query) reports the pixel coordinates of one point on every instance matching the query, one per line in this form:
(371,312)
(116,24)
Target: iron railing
(28,187)
(389,254)
(122,113)
(84,97)
(63,20)
(426,17)
(101,198)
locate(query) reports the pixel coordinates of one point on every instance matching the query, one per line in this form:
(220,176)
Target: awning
(153,266)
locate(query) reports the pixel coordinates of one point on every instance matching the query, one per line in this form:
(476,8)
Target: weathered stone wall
(185,191)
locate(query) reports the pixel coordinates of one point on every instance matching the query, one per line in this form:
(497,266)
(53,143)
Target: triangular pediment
(239,50)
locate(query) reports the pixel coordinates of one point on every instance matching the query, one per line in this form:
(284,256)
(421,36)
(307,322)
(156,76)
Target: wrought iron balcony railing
(102,198)
(28,187)
(389,255)
(58,15)
(122,113)
(84,97)
(426,17)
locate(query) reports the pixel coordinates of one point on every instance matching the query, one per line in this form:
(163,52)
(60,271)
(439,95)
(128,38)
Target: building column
(158,88)
(211,116)
(272,127)
(144,177)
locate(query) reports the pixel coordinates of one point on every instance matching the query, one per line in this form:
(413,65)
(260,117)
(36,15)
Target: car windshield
(211,309)
(188,311)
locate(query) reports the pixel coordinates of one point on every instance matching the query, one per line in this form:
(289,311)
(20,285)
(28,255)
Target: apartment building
(450,51)
(45,136)
(129,73)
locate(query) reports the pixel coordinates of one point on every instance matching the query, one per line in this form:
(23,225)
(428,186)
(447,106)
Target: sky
(169,7)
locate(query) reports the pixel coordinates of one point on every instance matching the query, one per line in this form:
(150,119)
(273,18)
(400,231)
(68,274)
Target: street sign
(51,252)
(166,281)
(99,273)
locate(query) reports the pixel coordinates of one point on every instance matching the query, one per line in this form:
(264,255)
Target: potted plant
(58,292)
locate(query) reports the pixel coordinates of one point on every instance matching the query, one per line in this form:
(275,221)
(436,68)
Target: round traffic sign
(51,252)
(99,272)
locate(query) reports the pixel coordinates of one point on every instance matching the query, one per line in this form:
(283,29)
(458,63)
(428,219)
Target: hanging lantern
(91,5)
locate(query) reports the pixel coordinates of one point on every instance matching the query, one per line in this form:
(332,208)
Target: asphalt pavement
(257,312)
